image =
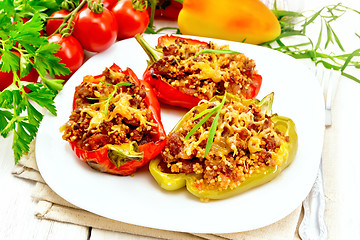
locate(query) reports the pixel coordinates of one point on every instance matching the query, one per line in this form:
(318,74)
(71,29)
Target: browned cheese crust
(245,142)
(205,75)
(105,115)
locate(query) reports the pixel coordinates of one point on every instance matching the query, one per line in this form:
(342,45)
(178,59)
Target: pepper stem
(152,53)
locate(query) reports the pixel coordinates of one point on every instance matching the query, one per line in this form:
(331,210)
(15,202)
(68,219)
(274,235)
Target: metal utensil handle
(313,225)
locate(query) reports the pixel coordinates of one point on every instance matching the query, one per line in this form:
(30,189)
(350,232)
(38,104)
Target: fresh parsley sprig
(20,111)
(206,114)
(317,50)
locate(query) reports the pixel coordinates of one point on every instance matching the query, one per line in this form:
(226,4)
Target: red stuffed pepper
(184,71)
(115,126)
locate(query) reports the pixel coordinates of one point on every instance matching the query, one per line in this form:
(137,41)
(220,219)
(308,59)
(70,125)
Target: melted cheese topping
(245,141)
(122,107)
(207,74)
(109,113)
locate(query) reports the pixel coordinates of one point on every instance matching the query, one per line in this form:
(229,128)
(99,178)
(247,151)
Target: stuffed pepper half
(115,126)
(184,71)
(225,146)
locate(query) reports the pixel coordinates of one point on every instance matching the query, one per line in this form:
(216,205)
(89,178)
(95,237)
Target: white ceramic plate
(139,200)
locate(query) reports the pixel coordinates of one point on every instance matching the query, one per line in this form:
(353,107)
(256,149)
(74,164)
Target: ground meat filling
(107,113)
(205,75)
(245,143)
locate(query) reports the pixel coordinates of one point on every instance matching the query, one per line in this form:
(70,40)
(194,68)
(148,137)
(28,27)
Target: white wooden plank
(17,220)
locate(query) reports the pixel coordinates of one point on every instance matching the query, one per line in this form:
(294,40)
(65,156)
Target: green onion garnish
(219,51)
(207,114)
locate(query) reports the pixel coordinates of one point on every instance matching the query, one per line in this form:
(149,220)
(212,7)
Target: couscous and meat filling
(205,75)
(115,126)
(109,110)
(245,143)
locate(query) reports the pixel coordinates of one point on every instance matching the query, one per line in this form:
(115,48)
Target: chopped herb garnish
(107,100)
(219,51)
(207,113)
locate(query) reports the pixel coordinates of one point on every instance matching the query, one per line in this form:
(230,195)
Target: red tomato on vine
(109,3)
(130,20)
(95,31)
(53,24)
(71,52)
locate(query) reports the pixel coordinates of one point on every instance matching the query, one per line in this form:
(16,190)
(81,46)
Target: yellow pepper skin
(247,21)
(171,182)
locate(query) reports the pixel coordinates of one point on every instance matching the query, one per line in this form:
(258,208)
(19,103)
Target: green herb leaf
(297,24)
(204,112)
(200,123)
(212,132)
(54,85)
(107,100)
(42,96)
(124,84)
(23,135)
(18,114)
(348,59)
(9,62)
(219,51)
(46,62)
(5,117)
(213,127)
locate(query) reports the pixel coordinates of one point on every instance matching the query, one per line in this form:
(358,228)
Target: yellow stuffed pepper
(226,146)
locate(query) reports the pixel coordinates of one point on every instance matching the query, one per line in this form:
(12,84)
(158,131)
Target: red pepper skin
(99,158)
(255,87)
(172,96)
(164,91)
(169,39)
(168,94)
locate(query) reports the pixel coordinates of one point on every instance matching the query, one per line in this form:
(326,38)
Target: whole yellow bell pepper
(247,21)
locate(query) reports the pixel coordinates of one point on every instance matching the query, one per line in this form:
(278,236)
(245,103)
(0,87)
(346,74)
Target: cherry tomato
(95,31)
(71,52)
(6,78)
(109,3)
(130,21)
(106,3)
(53,24)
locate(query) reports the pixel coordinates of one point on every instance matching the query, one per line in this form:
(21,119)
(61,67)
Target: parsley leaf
(46,62)
(5,117)
(23,135)
(19,109)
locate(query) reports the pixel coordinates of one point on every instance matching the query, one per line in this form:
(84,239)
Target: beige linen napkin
(52,207)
